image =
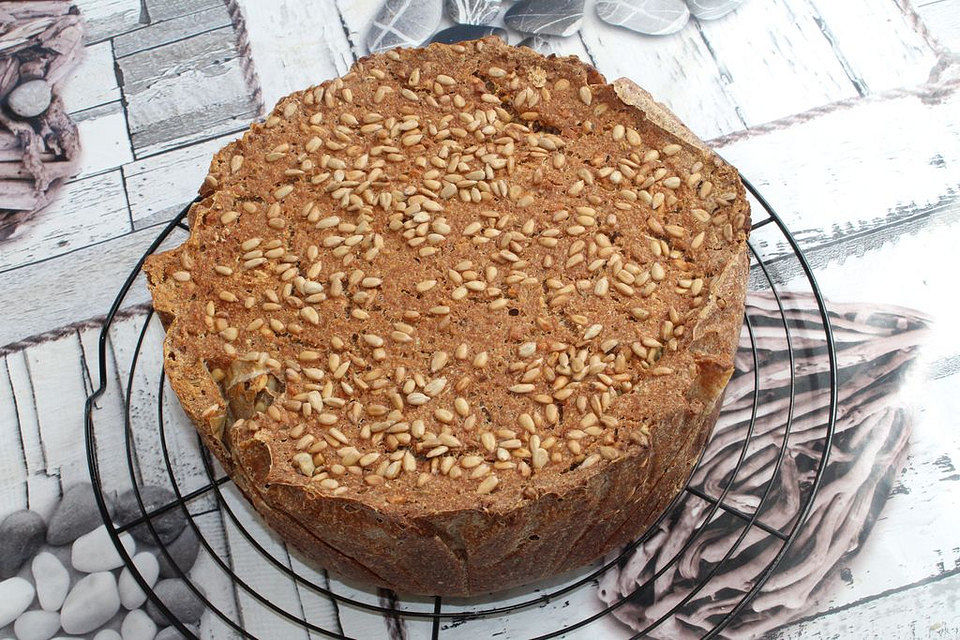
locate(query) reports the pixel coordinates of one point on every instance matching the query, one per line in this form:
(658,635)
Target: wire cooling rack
(143,438)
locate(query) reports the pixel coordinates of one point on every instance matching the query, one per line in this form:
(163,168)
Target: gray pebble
(16,594)
(179,598)
(401,23)
(52,580)
(107,634)
(541,44)
(21,534)
(461,32)
(131,595)
(30,99)
(548,17)
(92,602)
(712,9)
(650,17)
(168,524)
(472,11)
(76,515)
(172,633)
(37,625)
(137,625)
(183,550)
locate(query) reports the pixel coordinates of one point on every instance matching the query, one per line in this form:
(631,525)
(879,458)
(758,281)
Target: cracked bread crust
(426,525)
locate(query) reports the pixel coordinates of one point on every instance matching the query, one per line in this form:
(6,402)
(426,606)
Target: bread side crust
(470,551)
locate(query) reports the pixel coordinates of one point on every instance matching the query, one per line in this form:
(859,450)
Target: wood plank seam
(22,449)
(858,83)
(246,58)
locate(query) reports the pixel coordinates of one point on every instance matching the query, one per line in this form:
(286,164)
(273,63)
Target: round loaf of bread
(460,319)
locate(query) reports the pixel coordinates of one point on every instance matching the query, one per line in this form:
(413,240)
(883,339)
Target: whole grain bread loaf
(461,319)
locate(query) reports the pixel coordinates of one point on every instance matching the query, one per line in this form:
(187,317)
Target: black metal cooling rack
(438,613)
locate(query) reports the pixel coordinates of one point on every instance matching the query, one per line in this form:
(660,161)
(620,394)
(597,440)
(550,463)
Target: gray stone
(461,32)
(92,602)
(95,551)
(183,551)
(651,17)
(21,534)
(172,633)
(76,515)
(37,625)
(131,595)
(52,580)
(402,23)
(16,594)
(541,44)
(167,525)
(30,99)
(137,625)
(712,9)
(548,17)
(472,11)
(183,603)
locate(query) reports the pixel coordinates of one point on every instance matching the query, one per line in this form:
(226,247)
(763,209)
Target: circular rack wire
(434,612)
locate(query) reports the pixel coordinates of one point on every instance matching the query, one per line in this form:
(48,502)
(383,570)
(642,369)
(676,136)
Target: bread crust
(493,544)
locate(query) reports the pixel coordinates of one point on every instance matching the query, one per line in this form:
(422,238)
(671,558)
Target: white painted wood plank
(86,211)
(357,16)
(56,376)
(924,611)
(260,575)
(167,9)
(877,41)
(161,185)
(93,82)
(832,175)
(13,465)
(775,60)
(318,609)
(43,489)
(678,70)
(84,283)
(104,140)
(167,31)
(107,18)
(186,91)
(942,18)
(295,45)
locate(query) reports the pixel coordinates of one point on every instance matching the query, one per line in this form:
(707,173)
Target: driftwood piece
(875,346)
(40,42)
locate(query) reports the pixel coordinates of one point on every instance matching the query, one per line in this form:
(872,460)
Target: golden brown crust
(441,538)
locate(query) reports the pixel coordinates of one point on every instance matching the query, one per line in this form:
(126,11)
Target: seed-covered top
(453,272)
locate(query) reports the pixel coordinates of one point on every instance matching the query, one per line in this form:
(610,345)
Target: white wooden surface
(846,114)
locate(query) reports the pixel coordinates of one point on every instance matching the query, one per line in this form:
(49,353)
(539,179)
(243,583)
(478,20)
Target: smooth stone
(21,534)
(30,99)
(461,32)
(172,633)
(137,625)
(183,603)
(107,634)
(183,551)
(548,17)
(712,9)
(37,625)
(472,11)
(540,44)
(95,551)
(16,594)
(167,525)
(76,515)
(402,23)
(52,580)
(131,595)
(651,17)
(91,603)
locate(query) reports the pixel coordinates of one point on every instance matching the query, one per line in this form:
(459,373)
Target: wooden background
(845,113)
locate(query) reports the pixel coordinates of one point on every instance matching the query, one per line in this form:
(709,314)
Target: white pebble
(91,603)
(52,580)
(16,594)
(138,626)
(37,625)
(131,595)
(95,551)
(107,634)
